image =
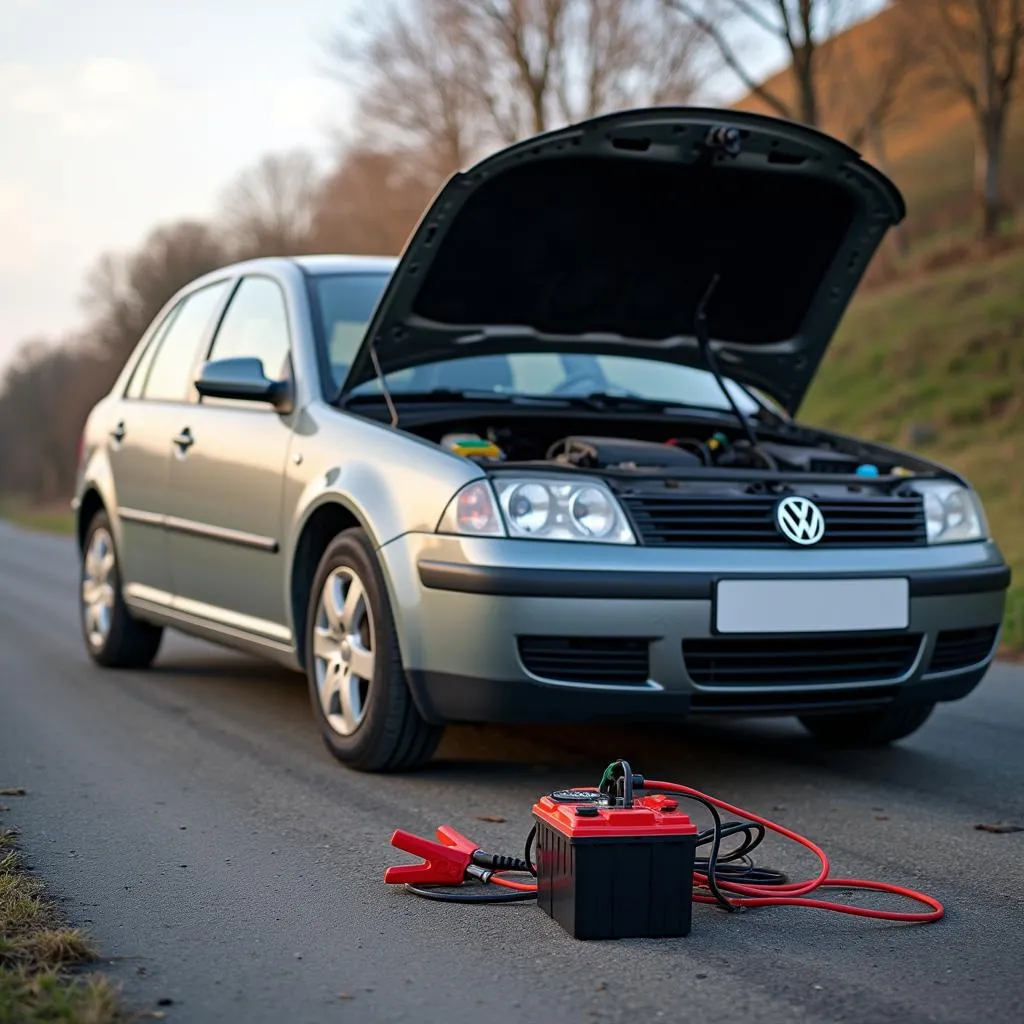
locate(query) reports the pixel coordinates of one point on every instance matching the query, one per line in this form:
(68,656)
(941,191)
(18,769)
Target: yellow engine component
(472,446)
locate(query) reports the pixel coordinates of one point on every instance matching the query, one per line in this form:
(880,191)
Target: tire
(868,729)
(113,637)
(352,653)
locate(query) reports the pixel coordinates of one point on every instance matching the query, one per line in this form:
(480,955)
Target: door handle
(117,434)
(184,440)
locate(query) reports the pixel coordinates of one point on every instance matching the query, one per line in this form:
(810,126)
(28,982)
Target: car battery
(607,871)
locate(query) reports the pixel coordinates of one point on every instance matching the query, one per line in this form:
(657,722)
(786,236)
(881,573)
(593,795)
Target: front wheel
(868,728)
(357,685)
(114,638)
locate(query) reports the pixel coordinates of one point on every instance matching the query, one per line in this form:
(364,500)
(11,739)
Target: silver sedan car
(545,466)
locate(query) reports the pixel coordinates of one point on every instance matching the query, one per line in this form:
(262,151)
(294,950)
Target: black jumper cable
(619,860)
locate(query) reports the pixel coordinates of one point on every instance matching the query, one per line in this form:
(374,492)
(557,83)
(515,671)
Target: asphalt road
(192,820)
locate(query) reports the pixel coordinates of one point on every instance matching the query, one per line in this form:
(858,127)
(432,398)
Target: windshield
(347,302)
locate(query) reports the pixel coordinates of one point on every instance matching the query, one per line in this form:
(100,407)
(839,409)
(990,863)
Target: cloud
(103,96)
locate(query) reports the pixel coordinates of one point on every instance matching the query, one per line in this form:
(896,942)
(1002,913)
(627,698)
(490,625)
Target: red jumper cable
(795,894)
(592,818)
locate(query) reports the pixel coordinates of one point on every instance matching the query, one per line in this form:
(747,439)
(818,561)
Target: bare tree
(412,69)
(558,61)
(867,72)
(125,292)
(619,55)
(449,78)
(47,392)
(372,201)
(974,50)
(49,387)
(800,27)
(518,45)
(268,209)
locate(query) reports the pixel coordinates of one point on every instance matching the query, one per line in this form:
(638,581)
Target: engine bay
(690,455)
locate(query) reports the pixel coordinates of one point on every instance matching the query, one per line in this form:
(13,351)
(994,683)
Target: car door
(139,451)
(226,480)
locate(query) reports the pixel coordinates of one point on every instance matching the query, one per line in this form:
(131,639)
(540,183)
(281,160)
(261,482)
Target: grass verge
(936,365)
(50,518)
(38,954)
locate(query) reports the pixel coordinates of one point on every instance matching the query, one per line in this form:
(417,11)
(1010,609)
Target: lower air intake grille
(607,660)
(800,661)
(961,648)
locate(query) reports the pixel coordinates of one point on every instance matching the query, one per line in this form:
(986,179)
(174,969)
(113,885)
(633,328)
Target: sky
(118,115)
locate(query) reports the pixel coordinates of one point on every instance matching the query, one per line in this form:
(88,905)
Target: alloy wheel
(98,588)
(343,650)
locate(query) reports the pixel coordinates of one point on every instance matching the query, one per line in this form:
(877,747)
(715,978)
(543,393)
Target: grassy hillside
(945,353)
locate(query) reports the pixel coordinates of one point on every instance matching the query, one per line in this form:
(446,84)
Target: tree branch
(731,58)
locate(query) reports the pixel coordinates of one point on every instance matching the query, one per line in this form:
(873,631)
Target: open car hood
(603,237)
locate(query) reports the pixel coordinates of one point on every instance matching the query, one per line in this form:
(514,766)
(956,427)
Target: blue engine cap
(867,470)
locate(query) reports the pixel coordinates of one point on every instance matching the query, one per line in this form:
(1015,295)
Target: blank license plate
(811,606)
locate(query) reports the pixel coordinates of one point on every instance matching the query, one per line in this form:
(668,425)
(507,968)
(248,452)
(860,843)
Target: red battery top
(578,813)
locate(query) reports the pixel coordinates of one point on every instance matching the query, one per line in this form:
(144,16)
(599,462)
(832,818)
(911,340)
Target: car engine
(807,452)
(621,453)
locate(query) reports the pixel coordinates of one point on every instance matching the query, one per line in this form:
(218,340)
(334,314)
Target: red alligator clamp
(447,861)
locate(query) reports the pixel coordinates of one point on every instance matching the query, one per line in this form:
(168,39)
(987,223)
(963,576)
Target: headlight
(952,513)
(541,508)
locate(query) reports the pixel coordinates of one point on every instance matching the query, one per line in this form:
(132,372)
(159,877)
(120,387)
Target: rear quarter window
(176,353)
(137,381)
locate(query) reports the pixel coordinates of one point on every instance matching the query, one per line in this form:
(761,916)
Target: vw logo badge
(799,520)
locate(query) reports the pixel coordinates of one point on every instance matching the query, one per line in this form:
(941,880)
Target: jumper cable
(454,859)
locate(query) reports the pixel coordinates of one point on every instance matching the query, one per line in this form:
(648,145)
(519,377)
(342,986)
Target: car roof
(319,265)
(337,263)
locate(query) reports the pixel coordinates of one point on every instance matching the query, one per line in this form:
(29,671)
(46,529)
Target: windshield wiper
(433,395)
(453,395)
(700,330)
(609,400)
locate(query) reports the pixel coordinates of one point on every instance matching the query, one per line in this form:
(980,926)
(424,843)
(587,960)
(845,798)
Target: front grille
(961,648)
(800,661)
(664,520)
(608,660)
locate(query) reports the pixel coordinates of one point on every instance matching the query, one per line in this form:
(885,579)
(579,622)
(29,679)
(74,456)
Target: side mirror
(242,379)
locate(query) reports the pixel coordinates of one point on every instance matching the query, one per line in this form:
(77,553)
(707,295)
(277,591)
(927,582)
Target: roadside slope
(937,365)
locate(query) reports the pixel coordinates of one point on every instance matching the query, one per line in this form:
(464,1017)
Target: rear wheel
(114,638)
(868,728)
(354,667)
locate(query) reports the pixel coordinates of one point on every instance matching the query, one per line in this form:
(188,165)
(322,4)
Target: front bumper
(465,608)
